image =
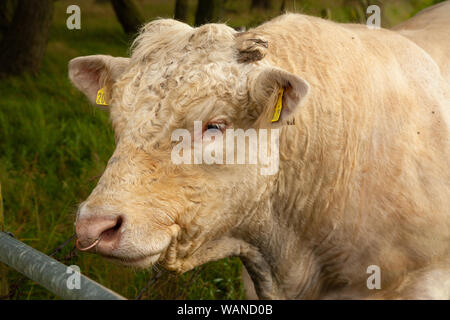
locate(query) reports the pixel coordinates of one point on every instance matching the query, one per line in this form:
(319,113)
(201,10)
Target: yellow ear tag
(278,106)
(101,100)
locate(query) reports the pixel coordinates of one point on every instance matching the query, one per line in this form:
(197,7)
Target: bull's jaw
(224,247)
(141,263)
(179,260)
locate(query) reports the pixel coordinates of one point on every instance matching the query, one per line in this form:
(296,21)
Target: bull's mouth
(143,260)
(130,252)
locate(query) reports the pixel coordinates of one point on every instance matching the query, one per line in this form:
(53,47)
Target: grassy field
(54,145)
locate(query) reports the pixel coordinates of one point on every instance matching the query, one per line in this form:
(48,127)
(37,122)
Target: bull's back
(383,90)
(430,29)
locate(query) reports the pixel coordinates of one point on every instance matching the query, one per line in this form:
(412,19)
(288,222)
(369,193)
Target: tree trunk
(128,15)
(7,8)
(23,45)
(283,6)
(181,10)
(208,11)
(261,4)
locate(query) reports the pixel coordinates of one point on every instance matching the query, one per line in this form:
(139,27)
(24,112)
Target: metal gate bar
(50,273)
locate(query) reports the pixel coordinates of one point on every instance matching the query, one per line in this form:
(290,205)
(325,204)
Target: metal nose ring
(94,244)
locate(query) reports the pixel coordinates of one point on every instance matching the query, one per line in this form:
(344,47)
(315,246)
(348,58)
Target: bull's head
(146,208)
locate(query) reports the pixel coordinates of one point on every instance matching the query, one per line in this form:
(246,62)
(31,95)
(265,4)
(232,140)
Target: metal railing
(50,273)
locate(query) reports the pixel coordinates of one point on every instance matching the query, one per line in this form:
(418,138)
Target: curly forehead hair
(173,65)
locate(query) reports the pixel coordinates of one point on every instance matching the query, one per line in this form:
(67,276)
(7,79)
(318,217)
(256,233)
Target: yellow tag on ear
(101,100)
(278,106)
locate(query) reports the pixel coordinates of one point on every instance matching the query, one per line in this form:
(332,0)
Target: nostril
(105,228)
(112,233)
(118,223)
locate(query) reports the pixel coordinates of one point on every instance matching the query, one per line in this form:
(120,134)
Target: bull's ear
(91,73)
(278,95)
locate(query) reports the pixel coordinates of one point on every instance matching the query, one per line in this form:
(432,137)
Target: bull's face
(159,198)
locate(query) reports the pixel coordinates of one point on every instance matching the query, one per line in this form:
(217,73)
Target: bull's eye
(213,126)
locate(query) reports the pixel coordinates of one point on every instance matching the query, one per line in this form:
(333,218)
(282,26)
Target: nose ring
(94,244)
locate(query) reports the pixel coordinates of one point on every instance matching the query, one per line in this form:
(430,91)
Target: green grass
(54,145)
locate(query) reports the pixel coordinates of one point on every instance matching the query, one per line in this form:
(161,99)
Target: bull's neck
(289,230)
(279,263)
